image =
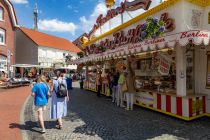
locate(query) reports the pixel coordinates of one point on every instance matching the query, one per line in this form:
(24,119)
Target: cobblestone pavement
(93,118)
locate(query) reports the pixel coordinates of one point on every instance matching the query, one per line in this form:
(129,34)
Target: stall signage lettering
(193,34)
(124,6)
(132,36)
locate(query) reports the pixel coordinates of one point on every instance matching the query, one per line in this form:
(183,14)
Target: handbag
(124,87)
(108,92)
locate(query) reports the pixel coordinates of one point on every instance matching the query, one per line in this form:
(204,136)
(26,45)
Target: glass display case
(90,82)
(156,72)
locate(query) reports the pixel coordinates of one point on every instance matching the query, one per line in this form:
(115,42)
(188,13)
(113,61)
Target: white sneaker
(126,108)
(43,131)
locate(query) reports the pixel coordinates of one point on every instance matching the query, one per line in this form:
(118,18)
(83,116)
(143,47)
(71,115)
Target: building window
(1,13)
(2,36)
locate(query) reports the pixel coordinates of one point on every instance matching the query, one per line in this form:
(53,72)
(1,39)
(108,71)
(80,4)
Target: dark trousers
(99,87)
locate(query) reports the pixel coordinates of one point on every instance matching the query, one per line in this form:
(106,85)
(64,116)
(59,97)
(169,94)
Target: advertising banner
(164,66)
(145,98)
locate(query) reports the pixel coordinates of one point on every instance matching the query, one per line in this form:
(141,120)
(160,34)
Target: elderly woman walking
(59,104)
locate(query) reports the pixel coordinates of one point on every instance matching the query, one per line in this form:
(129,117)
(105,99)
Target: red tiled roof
(45,40)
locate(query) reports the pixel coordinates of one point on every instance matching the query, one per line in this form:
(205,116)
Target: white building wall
(49,56)
(192,16)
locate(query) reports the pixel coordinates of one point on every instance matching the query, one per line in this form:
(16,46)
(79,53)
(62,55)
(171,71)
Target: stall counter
(186,107)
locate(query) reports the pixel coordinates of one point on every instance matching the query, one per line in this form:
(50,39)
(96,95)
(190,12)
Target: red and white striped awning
(196,37)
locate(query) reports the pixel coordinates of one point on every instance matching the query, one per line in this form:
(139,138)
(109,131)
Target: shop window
(156,72)
(3,63)
(1,14)
(2,36)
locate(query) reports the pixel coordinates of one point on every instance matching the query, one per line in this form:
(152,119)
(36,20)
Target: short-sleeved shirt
(121,79)
(40,90)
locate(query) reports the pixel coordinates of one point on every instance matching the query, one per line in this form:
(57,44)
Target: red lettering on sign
(170,25)
(193,34)
(124,6)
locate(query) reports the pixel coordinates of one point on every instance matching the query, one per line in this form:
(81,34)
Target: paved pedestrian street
(93,118)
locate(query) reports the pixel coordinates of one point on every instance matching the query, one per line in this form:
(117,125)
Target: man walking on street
(99,83)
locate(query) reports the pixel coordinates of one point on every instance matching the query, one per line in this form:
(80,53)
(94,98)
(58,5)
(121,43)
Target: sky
(64,18)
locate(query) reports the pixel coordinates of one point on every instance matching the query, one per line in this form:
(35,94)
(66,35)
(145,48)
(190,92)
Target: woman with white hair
(58,108)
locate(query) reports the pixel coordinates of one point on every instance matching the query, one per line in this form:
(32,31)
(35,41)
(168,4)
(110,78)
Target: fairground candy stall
(168,46)
(105,67)
(90,81)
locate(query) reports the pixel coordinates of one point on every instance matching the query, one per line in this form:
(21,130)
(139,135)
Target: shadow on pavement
(32,126)
(102,118)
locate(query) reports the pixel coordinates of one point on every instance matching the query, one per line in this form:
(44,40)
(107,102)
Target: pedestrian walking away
(114,82)
(40,92)
(58,108)
(99,83)
(120,93)
(130,82)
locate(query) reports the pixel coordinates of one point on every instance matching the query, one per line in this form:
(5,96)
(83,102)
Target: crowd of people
(57,90)
(118,87)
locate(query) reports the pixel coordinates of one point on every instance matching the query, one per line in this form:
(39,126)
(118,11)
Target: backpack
(62,91)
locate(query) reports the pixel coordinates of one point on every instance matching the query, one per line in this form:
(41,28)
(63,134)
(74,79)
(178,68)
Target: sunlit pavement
(93,118)
(11,103)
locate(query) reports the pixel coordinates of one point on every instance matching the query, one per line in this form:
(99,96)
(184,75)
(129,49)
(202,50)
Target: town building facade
(37,48)
(8,24)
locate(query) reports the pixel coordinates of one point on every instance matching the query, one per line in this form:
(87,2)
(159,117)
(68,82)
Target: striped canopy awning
(196,37)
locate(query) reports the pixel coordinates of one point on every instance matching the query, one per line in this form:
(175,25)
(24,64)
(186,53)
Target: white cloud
(99,9)
(54,25)
(88,22)
(20,1)
(76,11)
(69,6)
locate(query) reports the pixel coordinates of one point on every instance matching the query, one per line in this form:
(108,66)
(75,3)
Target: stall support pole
(180,71)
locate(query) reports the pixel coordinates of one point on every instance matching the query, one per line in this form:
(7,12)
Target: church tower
(35,16)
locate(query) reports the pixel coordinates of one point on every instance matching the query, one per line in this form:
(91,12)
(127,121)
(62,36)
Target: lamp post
(8,62)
